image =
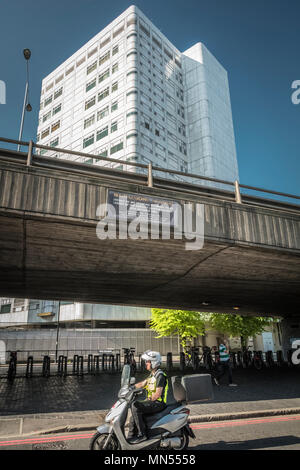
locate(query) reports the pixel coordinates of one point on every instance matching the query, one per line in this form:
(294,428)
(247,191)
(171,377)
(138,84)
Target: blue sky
(256,41)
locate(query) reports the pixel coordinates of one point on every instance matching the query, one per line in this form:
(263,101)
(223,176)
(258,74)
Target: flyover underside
(45,258)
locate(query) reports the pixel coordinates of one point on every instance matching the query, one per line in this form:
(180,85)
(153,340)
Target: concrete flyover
(49,248)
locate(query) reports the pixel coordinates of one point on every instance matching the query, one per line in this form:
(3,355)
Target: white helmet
(152,356)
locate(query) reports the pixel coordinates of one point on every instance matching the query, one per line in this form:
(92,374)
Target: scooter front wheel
(98,441)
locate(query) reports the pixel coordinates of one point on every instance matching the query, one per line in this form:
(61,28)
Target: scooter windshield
(125,378)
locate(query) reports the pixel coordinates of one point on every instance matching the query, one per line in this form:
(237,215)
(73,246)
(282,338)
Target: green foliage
(184,323)
(238,325)
(188,324)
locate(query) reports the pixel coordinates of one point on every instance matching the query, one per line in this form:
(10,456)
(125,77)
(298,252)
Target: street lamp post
(26,105)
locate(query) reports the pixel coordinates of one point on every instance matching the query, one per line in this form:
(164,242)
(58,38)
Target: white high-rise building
(130,94)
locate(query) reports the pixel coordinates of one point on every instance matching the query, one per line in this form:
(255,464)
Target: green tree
(237,325)
(184,323)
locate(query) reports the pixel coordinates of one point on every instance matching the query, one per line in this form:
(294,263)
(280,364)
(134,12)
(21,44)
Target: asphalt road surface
(266,433)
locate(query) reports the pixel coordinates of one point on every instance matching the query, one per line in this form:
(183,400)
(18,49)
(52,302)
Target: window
(104,42)
(102,133)
(114,126)
(55,126)
(56,109)
(59,79)
(70,70)
(46,116)
(58,93)
(49,86)
(116,148)
(80,61)
(48,101)
(115,50)
(102,113)
(54,143)
(45,133)
(103,94)
(103,75)
(114,87)
(104,58)
(115,68)
(114,106)
(5,308)
(90,85)
(89,121)
(91,68)
(88,141)
(90,103)
(90,161)
(118,31)
(103,152)
(92,52)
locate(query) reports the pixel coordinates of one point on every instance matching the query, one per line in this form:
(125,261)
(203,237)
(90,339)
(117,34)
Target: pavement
(39,405)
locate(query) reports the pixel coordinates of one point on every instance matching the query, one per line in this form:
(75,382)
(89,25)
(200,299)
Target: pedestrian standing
(225,364)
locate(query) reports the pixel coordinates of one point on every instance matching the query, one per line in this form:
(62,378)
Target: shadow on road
(266,443)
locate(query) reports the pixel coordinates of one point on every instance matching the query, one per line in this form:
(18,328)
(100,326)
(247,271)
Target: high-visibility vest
(151,386)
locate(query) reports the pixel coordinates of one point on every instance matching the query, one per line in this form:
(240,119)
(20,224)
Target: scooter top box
(192,388)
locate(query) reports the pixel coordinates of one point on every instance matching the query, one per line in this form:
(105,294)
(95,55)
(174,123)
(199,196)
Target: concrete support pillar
(290,329)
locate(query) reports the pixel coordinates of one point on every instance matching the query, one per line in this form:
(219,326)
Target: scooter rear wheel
(98,441)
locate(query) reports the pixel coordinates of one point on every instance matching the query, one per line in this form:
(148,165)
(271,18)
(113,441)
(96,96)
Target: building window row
(54,127)
(50,98)
(102,60)
(101,134)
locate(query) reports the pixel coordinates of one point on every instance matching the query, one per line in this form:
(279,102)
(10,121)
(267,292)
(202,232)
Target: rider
(156,386)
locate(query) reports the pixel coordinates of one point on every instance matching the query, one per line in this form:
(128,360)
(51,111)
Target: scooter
(168,429)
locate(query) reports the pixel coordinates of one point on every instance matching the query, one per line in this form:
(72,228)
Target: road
(267,433)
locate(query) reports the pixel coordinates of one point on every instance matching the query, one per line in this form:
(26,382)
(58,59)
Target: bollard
(96,364)
(118,361)
(182,361)
(62,365)
(169,361)
(279,358)
(80,361)
(29,366)
(65,362)
(104,361)
(46,366)
(111,362)
(75,364)
(90,363)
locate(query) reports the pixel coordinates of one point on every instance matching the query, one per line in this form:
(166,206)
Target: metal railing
(150,180)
